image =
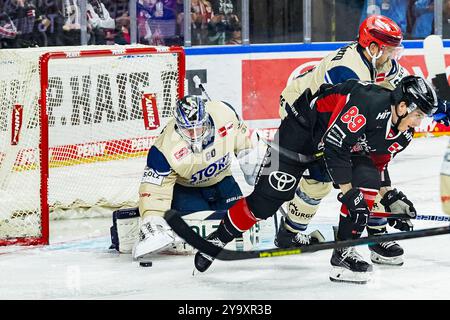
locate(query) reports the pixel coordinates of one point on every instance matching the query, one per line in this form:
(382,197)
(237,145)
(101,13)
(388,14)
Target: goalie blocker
(125,231)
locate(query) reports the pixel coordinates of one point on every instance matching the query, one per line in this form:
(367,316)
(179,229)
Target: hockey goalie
(188,169)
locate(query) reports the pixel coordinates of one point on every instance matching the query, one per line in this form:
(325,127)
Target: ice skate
(349,266)
(202,261)
(288,239)
(388,253)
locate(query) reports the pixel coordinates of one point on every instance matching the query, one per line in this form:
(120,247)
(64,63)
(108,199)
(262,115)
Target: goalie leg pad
(302,208)
(125,229)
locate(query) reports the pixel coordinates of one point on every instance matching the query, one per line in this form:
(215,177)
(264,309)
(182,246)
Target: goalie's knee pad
(125,229)
(302,208)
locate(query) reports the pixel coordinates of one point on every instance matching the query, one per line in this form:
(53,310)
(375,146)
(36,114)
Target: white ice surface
(78,264)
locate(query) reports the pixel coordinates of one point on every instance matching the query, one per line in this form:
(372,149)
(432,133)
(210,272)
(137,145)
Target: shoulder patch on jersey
(158,162)
(182,153)
(225,129)
(152,177)
(340,74)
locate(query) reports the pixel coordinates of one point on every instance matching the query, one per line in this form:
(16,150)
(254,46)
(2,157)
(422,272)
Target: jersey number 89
(354,120)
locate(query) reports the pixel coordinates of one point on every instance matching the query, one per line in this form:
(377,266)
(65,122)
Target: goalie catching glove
(396,202)
(250,161)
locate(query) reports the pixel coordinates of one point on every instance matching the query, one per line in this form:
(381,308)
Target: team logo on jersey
(150,176)
(282,181)
(225,129)
(212,170)
(383,115)
(395,147)
(180,154)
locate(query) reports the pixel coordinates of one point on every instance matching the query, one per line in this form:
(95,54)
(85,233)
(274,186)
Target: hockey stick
(389,215)
(182,229)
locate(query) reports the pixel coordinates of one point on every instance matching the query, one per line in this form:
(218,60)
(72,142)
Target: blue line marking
(285,47)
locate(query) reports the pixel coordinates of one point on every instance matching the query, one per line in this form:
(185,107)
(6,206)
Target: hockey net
(75,127)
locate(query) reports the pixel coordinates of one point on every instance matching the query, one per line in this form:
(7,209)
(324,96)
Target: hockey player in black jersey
(359,127)
(373,57)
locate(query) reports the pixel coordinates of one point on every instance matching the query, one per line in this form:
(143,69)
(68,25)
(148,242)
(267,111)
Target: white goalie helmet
(193,123)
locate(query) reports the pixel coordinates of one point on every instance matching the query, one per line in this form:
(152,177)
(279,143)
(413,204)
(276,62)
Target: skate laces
(215,241)
(301,238)
(388,244)
(352,254)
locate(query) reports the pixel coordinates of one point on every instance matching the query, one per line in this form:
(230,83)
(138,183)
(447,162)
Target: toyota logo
(282,181)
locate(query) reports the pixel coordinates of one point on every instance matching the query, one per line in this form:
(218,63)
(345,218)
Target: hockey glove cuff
(356,205)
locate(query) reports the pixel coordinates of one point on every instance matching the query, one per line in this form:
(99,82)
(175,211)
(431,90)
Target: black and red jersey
(354,118)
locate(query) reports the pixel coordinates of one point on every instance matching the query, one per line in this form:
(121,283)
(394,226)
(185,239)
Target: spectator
(235,31)
(24,15)
(123,29)
(446,20)
(201,15)
(144,9)
(51,22)
(71,28)
(99,21)
(179,9)
(395,9)
(424,17)
(8,31)
(220,25)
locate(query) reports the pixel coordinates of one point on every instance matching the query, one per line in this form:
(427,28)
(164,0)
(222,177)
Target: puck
(145,264)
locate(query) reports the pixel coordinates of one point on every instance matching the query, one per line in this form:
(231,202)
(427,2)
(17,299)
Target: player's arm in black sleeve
(347,126)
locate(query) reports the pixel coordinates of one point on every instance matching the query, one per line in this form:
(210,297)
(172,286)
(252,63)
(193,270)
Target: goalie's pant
(219,197)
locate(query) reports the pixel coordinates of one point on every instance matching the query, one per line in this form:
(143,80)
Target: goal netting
(75,127)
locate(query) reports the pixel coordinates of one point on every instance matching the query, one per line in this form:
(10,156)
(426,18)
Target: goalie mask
(192,121)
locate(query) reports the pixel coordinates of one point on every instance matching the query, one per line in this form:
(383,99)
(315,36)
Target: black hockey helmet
(417,93)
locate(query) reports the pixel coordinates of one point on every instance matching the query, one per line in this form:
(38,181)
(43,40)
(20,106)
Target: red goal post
(96,111)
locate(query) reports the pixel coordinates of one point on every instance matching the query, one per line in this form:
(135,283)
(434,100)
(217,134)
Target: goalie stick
(182,229)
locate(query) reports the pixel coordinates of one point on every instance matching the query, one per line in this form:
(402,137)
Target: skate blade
(340,274)
(390,261)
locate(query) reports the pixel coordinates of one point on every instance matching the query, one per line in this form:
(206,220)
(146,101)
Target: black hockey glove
(356,205)
(397,202)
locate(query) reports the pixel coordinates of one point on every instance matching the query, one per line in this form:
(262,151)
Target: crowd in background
(29,23)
